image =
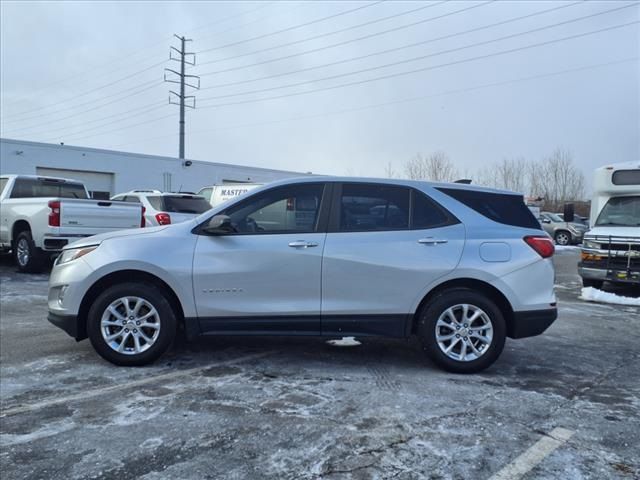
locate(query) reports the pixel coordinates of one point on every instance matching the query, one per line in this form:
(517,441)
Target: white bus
(611,249)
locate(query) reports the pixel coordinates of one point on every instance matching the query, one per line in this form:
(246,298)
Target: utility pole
(185,58)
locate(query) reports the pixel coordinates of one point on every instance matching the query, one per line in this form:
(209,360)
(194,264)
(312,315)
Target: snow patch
(567,247)
(591,294)
(344,342)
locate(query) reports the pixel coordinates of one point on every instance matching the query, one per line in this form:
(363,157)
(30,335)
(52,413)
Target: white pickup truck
(40,215)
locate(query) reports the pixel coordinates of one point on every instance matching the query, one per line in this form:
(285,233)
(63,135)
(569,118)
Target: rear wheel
(28,257)
(462,331)
(131,324)
(563,238)
(588,282)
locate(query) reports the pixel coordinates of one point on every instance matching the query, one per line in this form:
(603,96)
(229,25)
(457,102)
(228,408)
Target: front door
(265,277)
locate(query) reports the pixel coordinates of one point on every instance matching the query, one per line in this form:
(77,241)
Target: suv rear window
(505,208)
(179,204)
(43,187)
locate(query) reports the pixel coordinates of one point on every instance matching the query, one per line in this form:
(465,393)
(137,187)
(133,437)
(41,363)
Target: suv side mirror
(546,220)
(219,224)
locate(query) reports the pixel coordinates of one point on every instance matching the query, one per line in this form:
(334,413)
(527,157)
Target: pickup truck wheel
(28,257)
(563,238)
(462,331)
(587,282)
(131,324)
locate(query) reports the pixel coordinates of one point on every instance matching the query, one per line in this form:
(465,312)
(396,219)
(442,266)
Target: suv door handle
(432,241)
(302,244)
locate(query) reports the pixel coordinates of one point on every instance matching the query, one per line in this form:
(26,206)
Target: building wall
(126,171)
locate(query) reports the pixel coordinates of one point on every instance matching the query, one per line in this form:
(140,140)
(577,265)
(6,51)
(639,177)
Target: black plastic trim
(530,323)
(68,323)
(385,325)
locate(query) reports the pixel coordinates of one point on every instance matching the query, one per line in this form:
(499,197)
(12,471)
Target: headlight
(74,253)
(590,244)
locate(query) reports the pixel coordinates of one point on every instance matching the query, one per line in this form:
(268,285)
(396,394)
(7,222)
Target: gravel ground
(297,408)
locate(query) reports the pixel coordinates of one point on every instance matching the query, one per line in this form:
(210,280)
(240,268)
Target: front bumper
(530,323)
(68,323)
(612,275)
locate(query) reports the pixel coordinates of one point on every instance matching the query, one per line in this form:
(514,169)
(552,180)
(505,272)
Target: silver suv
(166,208)
(564,233)
(461,267)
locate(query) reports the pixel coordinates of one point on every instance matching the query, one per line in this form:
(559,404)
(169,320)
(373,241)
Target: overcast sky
(90,74)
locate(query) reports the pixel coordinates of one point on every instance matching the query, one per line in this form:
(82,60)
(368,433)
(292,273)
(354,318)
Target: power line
(141,50)
(398,74)
(399,101)
(384,77)
(424,42)
(101,87)
(145,87)
(84,123)
(293,27)
(335,32)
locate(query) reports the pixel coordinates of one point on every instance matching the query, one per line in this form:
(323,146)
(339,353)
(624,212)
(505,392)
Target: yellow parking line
(121,386)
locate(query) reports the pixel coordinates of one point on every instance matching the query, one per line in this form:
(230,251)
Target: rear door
(385,245)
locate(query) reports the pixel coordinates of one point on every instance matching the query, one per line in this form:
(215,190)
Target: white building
(107,172)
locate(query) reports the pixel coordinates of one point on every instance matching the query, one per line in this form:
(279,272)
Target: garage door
(99,184)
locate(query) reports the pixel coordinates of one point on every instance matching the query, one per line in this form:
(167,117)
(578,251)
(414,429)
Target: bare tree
(437,167)
(389,171)
(562,181)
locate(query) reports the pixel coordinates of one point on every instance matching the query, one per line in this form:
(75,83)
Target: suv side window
(3,183)
(294,208)
(206,193)
(428,214)
(369,207)
(132,199)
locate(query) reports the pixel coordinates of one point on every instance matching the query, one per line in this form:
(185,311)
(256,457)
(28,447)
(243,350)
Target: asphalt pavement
(564,405)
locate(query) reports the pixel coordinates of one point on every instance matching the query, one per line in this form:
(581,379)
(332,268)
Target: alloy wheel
(23,252)
(130,325)
(464,332)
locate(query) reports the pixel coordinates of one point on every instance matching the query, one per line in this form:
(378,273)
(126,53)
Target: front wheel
(131,324)
(587,282)
(462,331)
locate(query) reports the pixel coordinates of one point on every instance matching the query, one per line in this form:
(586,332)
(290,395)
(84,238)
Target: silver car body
(560,230)
(236,282)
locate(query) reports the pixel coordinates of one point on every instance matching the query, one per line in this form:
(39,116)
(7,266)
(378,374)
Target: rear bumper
(68,323)
(531,323)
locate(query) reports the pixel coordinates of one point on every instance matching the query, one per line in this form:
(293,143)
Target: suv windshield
(621,211)
(554,217)
(179,203)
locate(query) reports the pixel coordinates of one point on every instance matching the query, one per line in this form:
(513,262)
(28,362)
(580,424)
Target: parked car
(461,267)
(40,215)
(563,233)
(217,194)
(165,208)
(577,218)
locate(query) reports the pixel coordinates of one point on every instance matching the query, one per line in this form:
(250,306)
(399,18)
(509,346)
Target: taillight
(542,245)
(163,218)
(143,222)
(54,214)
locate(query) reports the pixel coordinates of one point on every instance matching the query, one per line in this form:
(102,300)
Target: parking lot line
(122,386)
(533,455)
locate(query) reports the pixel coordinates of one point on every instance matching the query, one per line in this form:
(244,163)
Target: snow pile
(591,294)
(344,342)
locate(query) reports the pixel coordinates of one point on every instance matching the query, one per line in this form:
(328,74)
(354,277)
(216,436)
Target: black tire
(588,282)
(562,237)
(32,260)
(166,319)
(437,306)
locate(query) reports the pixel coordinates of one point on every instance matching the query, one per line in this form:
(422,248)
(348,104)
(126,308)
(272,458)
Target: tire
(154,320)
(588,282)
(28,257)
(434,314)
(562,238)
